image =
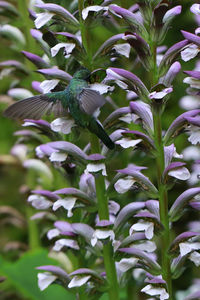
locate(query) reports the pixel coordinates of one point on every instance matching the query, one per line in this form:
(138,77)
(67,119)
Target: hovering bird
(78,99)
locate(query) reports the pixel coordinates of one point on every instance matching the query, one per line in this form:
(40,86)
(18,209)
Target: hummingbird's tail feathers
(90,101)
(35,107)
(96,128)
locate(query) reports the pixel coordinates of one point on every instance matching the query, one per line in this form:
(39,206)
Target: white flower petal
(68,48)
(191,153)
(155,291)
(58,156)
(94,168)
(195,258)
(190,102)
(127,142)
(194,82)
(45,279)
(124,184)
(67,204)
(78,281)
(123,49)
(194,133)
(42,19)
(180,173)
(147,246)
(39,202)
(195,9)
(129,118)
(187,247)
(126,263)
(48,85)
(95,8)
(100,234)
(20,93)
(63,125)
(53,233)
(161,94)
(189,52)
(142,225)
(59,244)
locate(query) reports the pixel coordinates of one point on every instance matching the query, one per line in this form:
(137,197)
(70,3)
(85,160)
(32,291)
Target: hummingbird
(77,99)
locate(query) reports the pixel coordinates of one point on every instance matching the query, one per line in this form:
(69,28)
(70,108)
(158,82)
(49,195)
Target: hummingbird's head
(82,73)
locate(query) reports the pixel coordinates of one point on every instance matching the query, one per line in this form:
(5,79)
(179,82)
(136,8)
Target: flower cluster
(112,217)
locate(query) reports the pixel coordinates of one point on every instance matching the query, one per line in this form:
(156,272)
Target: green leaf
(23,276)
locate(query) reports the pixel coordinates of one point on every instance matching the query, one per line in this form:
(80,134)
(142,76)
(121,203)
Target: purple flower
(60,11)
(179,123)
(55,73)
(35,59)
(129,81)
(177,208)
(140,46)
(131,18)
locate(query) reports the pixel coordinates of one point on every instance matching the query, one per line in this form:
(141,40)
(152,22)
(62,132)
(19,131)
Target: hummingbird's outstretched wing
(90,101)
(37,106)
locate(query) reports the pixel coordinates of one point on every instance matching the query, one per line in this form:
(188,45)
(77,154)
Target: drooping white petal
(58,156)
(94,168)
(155,291)
(100,234)
(141,225)
(59,244)
(95,8)
(78,281)
(194,133)
(123,49)
(48,85)
(189,52)
(126,263)
(180,173)
(187,247)
(42,19)
(195,258)
(124,184)
(63,125)
(68,48)
(39,202)
(45,279)
(147,246)
(53,233)
(67,204)
(127,142)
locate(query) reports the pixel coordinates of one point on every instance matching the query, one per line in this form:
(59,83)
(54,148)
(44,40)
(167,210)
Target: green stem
(85,34)
(163,200)
(109,262)
(163,195)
